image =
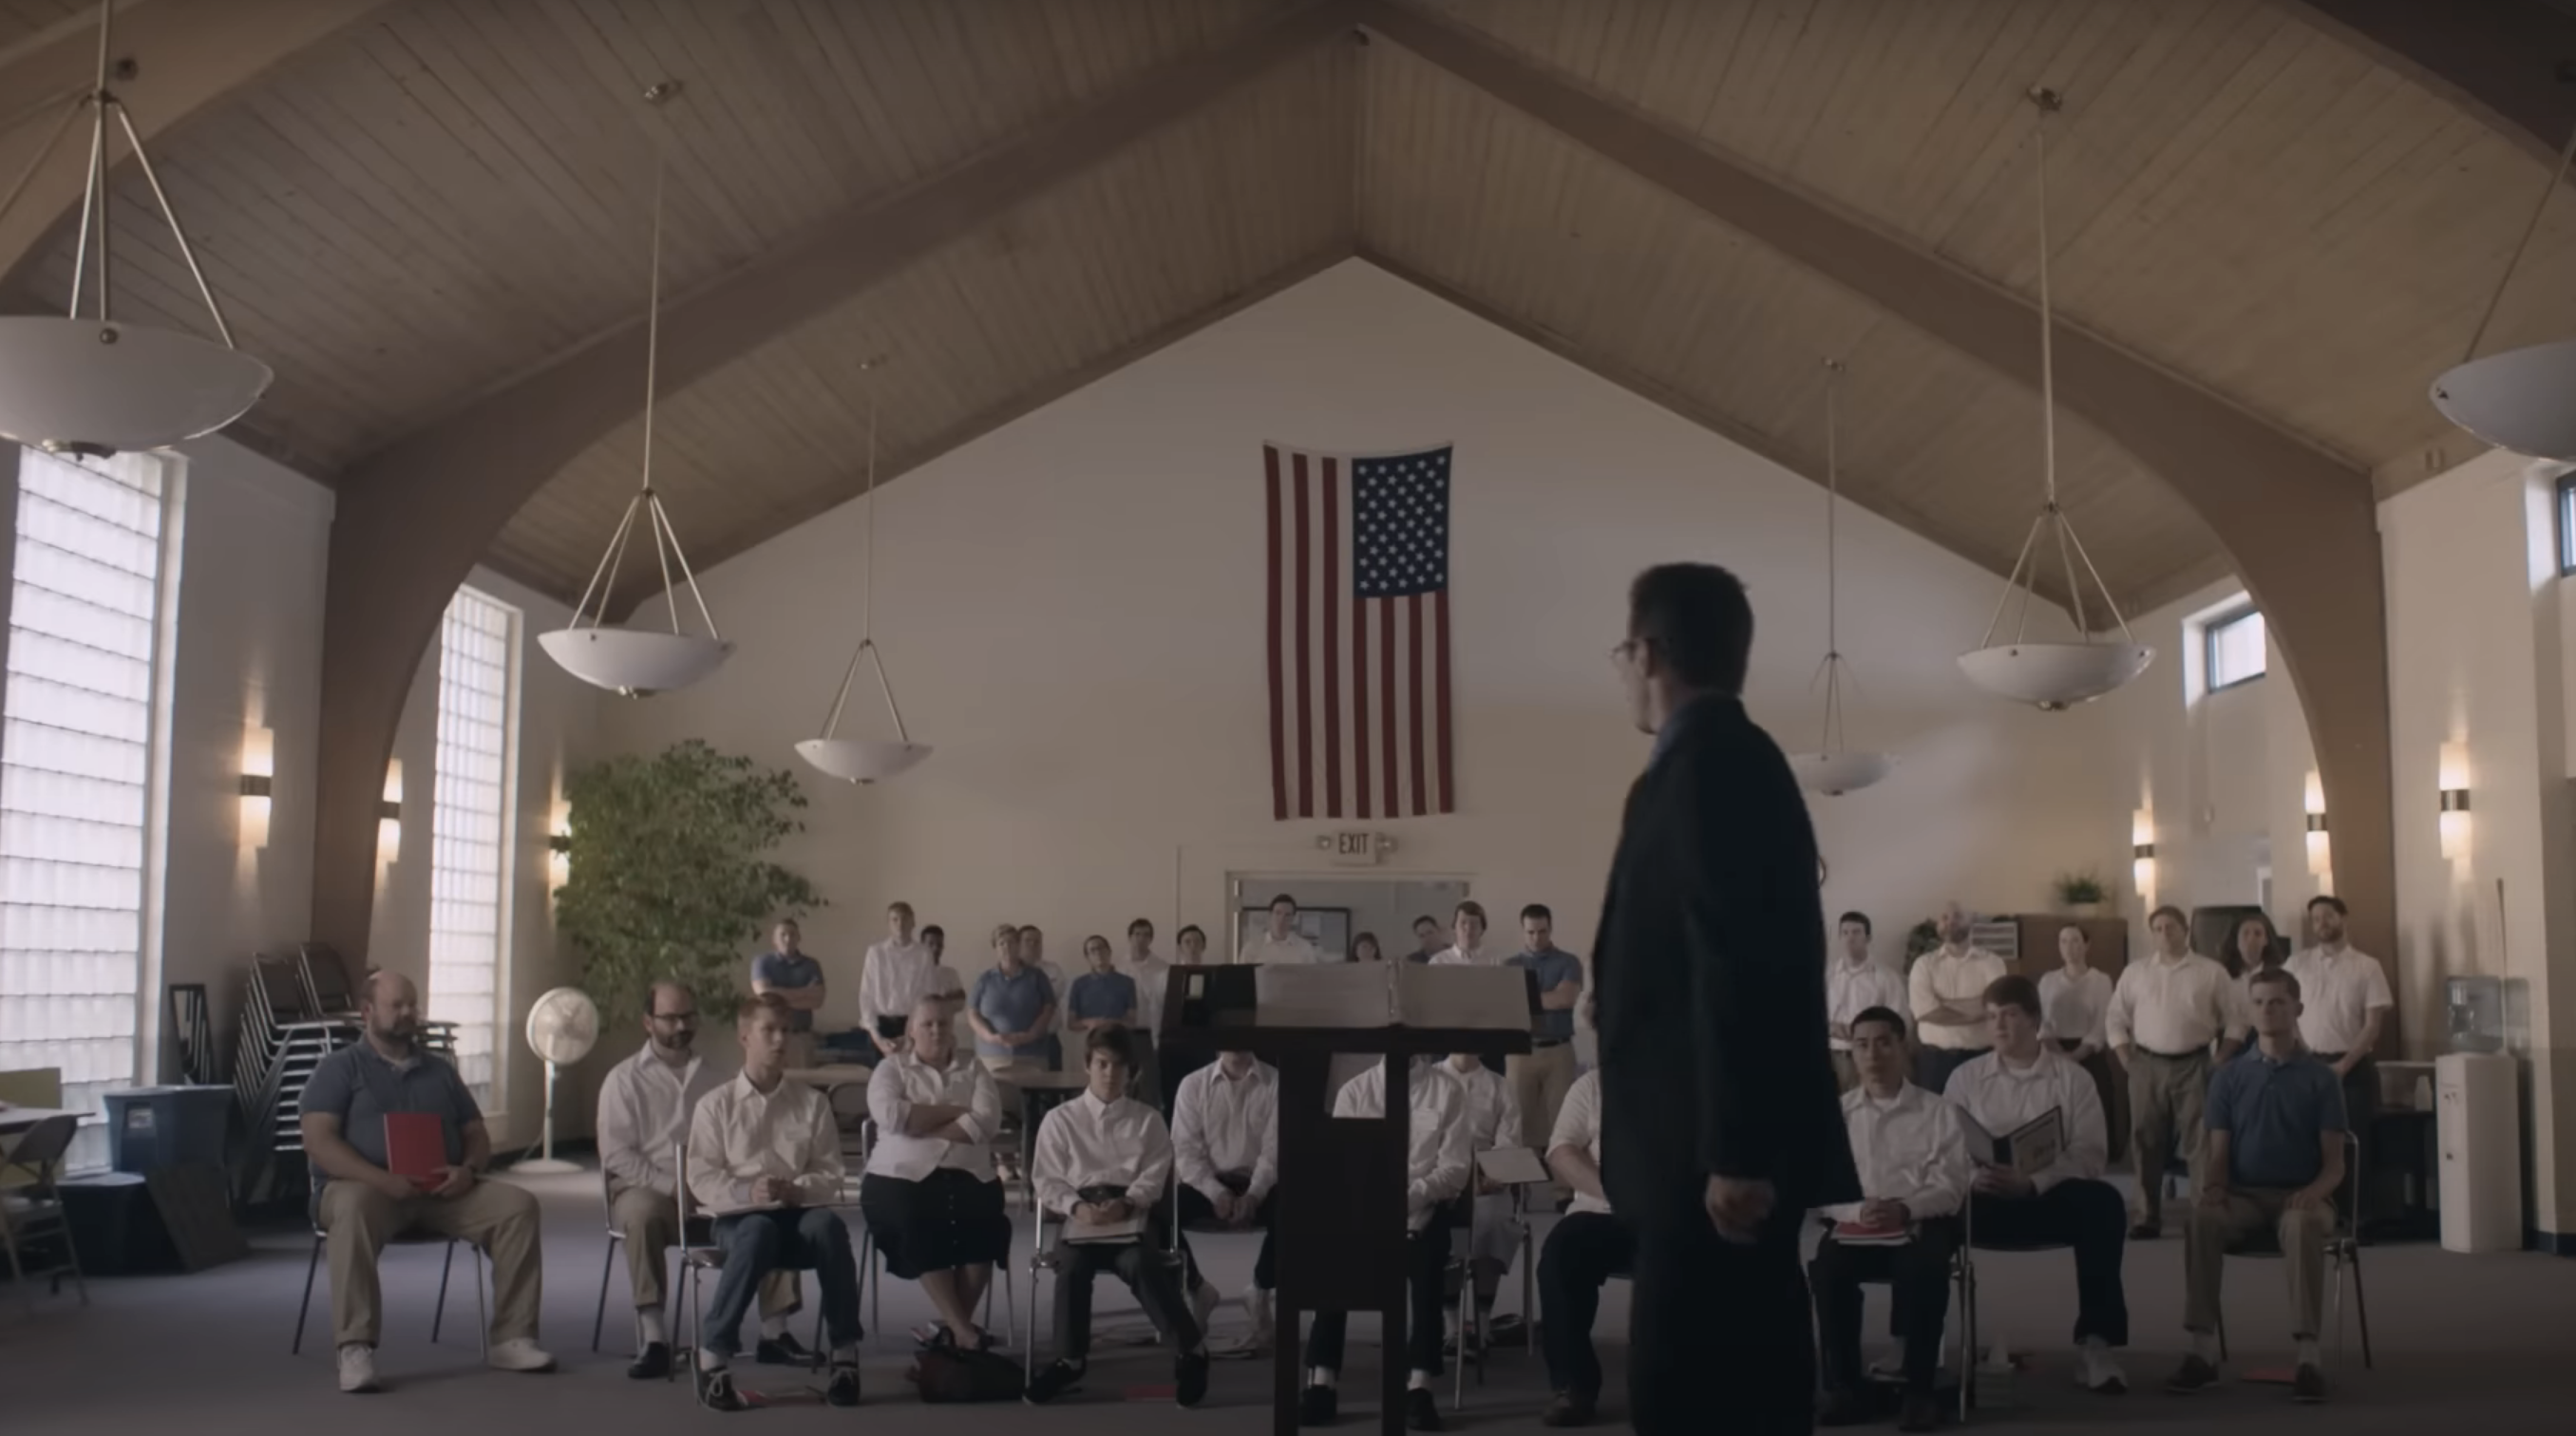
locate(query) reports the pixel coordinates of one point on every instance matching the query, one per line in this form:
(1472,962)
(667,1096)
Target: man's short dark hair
(1426,917)
(1111,1039)
(1283,897)
(2276,977)
(1698,620)
(2014,990)
(1860,917)
(1879,1014)
(771,1003)
(1538,910)
(2169,910)
(1140,925)
(1470,908)
(1192,928)
(934,930)
(2329,900)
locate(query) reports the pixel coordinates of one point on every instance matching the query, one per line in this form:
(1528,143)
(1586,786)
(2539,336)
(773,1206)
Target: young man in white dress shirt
(1280,941)
(929,1194)
(1587,1246)
(2345,1004)
(2165,1013)
(1104,1159)
(1225,1150)
(2009,1087)
(1467,940)
(899,972)
(764,1158)
(1854,983)
(1153,979)
(2075,1000)
(1438,1157)
(1914,1167)
(1494,1230)
(1946,993)
(645,1103)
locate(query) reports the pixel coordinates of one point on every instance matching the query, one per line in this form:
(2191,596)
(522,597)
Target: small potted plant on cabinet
(2081,894)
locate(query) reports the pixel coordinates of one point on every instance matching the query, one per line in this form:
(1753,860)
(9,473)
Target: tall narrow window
(470,829)
(2235,652)
(76,771)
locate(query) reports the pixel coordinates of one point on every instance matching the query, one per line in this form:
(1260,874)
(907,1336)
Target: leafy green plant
(1921,938)
(2080,889)
(670,873)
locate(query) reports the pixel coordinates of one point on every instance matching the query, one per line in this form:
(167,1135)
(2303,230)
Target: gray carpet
(2467,1343)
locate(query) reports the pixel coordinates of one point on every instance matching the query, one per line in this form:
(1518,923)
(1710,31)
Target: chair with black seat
(438,1313)
(1963,1279)
(31,1210)
(1048,1258)
(1460,1283)
(2343,1248)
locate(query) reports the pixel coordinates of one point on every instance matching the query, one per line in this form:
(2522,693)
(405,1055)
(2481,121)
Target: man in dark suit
(1721,1123)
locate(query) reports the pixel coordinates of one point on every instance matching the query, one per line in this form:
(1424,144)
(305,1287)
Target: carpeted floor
(2465,1343)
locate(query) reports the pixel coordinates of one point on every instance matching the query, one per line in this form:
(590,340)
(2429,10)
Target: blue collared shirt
(1553,969)
(2276,1113)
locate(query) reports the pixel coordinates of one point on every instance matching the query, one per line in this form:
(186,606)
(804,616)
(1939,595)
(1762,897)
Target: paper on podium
(1350,994)
(1511,1167)
(1491,999)
(1371,994)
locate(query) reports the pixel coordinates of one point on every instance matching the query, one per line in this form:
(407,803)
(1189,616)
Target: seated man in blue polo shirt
(2275,1157)
(360,1203)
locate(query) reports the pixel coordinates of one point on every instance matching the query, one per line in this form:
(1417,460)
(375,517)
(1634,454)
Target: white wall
(1072,611)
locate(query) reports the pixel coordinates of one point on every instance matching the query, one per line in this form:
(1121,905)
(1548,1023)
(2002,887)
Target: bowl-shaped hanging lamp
(865,760)
(91,384)
(1834,769)
(2052,676)
(2521,399)
(639,662)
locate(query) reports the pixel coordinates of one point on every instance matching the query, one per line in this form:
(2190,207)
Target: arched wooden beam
(188,55)
(2504,61)
(414,519)
(2299,526)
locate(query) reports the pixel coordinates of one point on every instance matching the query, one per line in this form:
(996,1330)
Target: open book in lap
(2030,1149)
(1511,1167)
(1081,1232)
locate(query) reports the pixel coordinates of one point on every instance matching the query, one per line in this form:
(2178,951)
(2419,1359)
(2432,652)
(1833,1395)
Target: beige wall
(1072,608)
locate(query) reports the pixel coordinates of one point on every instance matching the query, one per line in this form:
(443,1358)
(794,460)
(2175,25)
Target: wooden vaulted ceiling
(449,196)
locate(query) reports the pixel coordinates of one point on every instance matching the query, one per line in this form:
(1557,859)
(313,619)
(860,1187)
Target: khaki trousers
(650,1223)
(2165,1095)
(501,1220)
(2217,1226)
(1540,1079)
(1847,1072)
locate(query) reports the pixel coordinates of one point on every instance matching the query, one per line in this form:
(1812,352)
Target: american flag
(1359,634)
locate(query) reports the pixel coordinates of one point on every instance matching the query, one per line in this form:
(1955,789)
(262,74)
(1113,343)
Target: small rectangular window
(2567,525)
(2235,653)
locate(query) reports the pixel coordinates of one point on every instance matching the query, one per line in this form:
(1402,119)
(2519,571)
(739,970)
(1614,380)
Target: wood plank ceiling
(455,193)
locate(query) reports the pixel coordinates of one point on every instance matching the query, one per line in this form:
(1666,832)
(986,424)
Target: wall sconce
(389,816)
(258,779)
(2454,779)
(2320,854)
(2142,853)
(559,845)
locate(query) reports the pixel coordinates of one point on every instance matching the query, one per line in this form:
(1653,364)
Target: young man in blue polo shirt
(1542,1076)
(2274,1159)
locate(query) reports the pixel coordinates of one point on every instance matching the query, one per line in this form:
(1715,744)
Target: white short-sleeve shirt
(2336,994)
(1578,1124)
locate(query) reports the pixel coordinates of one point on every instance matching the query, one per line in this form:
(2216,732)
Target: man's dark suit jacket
(1710,981)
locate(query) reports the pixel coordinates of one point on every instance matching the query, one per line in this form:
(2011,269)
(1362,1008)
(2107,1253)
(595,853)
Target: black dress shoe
(2308,1385)
(783,1350)
(1059,1378)
(1421,1410)
(844,1388)
(2195,1374)
(1190,1378)
(1567,1409)
(1921,1412)
(1842,1407)
(1318,1407)
(716,1393)
(652,1363)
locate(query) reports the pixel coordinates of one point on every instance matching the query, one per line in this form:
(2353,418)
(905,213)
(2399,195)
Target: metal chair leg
(608,1264)
(438,1313)
(482,1311)
(303,1312)
(2360,1305)
(2222,1336)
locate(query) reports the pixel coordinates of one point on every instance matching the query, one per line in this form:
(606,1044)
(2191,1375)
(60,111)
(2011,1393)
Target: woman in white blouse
(930,1196)
(2075,1003)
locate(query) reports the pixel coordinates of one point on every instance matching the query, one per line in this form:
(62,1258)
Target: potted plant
(2081,894)
(670,874)
(1920,939)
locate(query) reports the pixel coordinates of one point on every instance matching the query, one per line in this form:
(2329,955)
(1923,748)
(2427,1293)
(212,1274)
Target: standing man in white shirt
(1467,940)
(1280,941)
(765,1161)
(2345,1004)
(2165,1013)
(898,974)
(2076,998)
(1913,1159)
(1225,1149)
(2067,1201)
(1103,1160)
(645,1103)
(1587,1246)
(1854,983)
(1438,1156)
(1946,992)
(1153,977)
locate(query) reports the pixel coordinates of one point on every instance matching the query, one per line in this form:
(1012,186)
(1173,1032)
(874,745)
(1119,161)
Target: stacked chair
(300,1008)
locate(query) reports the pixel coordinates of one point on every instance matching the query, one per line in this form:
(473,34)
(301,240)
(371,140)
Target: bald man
(360,1205)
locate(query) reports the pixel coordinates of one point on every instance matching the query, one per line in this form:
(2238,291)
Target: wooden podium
(1339,1217)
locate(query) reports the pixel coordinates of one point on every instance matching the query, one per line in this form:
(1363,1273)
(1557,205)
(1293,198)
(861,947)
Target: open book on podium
(1391,994)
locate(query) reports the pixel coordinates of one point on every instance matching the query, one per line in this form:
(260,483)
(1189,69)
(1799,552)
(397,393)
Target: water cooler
(2478,1101)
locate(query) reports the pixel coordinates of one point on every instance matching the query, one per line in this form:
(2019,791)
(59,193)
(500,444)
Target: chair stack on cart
(300,1008)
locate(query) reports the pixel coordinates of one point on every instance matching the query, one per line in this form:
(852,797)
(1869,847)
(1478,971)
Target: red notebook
(416,1147)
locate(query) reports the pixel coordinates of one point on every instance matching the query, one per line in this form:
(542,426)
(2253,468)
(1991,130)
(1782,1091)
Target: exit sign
(1357,848)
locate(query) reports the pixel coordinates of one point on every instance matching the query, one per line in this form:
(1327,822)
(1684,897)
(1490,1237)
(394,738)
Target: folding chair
(1462,1268)
(1045,1258)
(1964,1279)
(2343,1248)
(438,1314)
(32,1211)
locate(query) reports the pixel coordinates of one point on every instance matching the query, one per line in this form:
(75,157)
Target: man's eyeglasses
(679,1018)
(1624,650)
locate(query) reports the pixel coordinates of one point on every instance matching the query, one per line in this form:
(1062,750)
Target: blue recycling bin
(149,1128)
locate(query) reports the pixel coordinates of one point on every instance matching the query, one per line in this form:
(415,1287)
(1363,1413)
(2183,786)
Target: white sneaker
(1203,1303)
(519,1354)
(358,1368)
(1256,1303)
(2101,1372)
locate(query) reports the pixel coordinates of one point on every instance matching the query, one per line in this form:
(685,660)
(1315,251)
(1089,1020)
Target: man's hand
(1840,1031)
(1113,1210)
(1997,1181)
(2310,1198)
(1245,1211)
(886,1046)
(458,1181)
(1224,1207)
(2214,1196)
(768,1191)
(393,1186)
(1878,1212)
(1739,1205)
(2343,1065)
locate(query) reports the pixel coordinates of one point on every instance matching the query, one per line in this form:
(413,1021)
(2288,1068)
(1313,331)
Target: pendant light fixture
(94,385)
(865,760)
(2052,676)
(639,662)
(1834,769)
(2522,399)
